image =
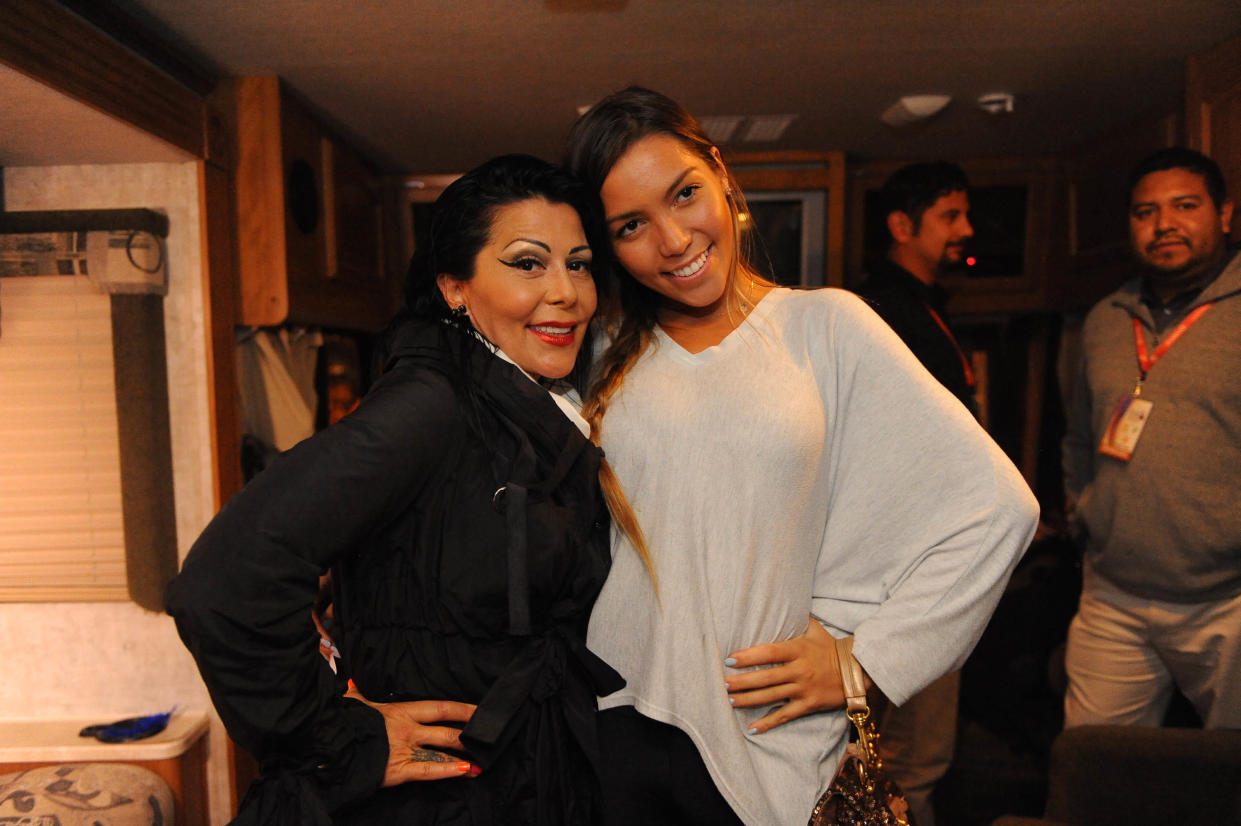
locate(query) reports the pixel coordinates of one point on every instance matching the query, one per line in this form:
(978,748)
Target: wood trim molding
(221,293)
(37,38)
(780,170)
(133,30)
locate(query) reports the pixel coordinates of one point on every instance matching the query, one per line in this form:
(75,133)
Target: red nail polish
(463,767)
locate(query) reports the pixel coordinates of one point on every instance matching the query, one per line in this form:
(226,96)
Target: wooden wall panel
(357,211)
(1096,204)
(1213,111)
(301,142)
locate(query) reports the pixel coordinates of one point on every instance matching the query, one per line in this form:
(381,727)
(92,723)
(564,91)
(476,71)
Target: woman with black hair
(459,511)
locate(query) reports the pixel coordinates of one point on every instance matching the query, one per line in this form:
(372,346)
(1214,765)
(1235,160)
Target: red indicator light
(971,261)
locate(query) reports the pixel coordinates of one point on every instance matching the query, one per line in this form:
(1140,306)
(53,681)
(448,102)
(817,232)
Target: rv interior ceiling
(439,86)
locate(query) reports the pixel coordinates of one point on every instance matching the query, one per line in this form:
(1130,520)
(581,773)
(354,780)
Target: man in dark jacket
(927,206)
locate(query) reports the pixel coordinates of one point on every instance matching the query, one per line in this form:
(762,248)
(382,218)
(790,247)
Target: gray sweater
(807,464)
(1167,523)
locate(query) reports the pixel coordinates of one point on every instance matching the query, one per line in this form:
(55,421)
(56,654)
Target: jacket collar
(1226,285)
(887,272)
(496,382)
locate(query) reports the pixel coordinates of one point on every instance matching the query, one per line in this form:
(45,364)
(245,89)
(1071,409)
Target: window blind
(61,524)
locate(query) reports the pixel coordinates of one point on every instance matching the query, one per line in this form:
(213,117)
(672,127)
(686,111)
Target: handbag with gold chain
(861,795)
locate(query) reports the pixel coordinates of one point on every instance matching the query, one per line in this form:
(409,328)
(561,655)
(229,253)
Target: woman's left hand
(416,743)
(804,675)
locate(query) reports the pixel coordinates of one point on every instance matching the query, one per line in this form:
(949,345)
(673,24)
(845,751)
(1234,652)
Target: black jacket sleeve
(243,600)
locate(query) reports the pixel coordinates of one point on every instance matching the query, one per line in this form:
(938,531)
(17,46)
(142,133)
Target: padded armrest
(1124,775)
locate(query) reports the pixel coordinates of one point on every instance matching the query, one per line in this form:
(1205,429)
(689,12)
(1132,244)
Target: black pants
(653,775)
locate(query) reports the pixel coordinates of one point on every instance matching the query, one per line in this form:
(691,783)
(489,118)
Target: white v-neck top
(805,464)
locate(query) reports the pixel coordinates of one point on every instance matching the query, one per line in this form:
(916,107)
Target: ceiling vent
(720,128)
(747,128)
(767,127)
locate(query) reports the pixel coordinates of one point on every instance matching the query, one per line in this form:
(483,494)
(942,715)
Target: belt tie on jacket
(556,664)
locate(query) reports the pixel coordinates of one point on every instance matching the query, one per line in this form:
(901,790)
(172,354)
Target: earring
(459,312)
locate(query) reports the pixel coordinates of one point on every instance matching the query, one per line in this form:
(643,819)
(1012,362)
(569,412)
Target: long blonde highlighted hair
(627,308)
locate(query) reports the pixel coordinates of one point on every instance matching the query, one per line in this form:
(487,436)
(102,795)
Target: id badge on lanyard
(1124,428)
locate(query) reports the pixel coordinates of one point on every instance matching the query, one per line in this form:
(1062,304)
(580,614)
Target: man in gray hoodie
(1152,461)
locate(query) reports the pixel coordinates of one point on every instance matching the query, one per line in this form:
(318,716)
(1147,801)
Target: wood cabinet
(808,190)
(309,216)
(1213,112)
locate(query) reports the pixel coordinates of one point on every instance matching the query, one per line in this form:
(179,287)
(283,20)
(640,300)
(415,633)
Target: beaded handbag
(861,795)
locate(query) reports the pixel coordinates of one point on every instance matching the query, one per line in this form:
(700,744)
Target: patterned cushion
(85,794)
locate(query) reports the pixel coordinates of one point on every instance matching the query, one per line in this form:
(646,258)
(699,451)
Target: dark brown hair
(596,143)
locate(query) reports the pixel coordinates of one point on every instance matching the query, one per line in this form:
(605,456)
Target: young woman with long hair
(796,475)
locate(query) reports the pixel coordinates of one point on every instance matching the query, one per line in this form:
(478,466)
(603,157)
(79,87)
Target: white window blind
(61,528)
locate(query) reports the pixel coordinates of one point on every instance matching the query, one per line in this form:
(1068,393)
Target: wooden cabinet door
(310,217)
(1213,111)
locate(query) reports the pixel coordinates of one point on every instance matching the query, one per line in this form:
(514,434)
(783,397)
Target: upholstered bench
(30,748)
(85,794)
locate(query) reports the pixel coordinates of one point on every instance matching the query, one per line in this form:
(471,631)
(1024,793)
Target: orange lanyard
(1147,360)
(965,363)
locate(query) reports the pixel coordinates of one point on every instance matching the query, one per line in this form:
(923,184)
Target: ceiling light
(913,108)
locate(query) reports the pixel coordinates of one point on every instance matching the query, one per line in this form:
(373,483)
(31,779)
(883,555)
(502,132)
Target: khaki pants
(1125,654)
(916,742)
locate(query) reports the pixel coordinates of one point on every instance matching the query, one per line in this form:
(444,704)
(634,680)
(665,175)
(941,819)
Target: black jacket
(909,307)
(445,589)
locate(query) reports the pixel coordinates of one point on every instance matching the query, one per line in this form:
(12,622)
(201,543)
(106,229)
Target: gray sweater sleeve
(927,517)
(1077,449)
